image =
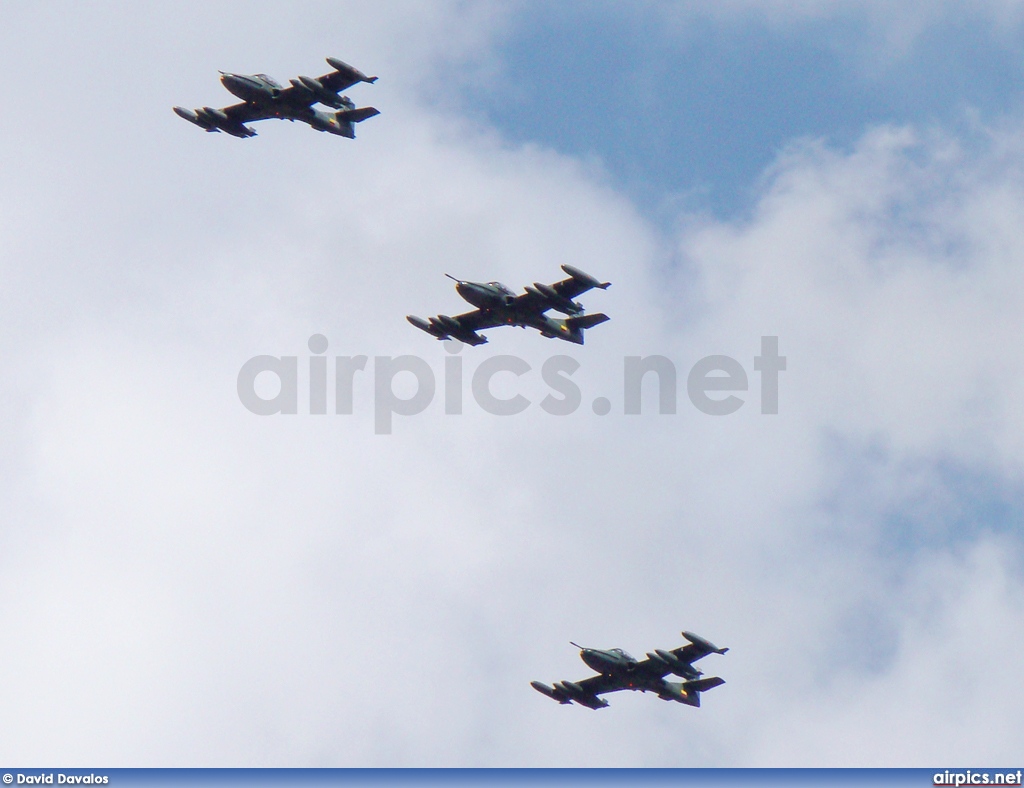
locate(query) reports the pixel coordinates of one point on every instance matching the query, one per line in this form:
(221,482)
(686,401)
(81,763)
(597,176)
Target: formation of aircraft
(617,670)
(264,98)
(497,305)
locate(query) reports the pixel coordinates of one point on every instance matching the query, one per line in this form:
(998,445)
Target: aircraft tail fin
(576,325)
(691,690)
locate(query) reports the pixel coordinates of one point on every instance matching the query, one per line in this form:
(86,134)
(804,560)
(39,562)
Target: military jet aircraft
(263,98)
(619,671)
(496,305)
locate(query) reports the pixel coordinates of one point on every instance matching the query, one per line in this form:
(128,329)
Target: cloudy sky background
(183,583)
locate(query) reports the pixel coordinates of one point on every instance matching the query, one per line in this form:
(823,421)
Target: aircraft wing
(572,287)
(357,115)
(462,327)
(696,649)
(584,692)
(477,319)
(679,660)
(246,112)
(324,88)
(560,295)
(229,119)
(344,76)
(599,684)
(654,667)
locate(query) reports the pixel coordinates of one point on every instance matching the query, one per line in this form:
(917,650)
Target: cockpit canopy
(269,80)
(623,654)
(500,287)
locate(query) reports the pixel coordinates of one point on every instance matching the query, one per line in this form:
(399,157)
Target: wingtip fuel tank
(704,643)
(551,692)
(345,68)
(192,117)
(583,276)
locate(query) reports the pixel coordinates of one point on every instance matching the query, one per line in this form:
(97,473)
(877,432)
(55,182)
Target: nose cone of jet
(480,296)
(592,660)
(234,83)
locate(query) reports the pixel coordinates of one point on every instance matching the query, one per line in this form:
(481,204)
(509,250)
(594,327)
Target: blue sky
(699,109)
(689,116)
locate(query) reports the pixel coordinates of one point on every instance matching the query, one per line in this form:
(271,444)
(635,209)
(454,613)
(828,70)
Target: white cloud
(948,694)
(189,584)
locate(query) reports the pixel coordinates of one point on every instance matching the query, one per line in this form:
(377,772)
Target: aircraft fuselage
(619,671)
(263,97)
(617,663)
(497,305)
(255,88)
(485,296)
(608,662)
(263,91)
(500,302)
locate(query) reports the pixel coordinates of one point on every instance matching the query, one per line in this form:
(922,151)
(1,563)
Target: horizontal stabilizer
(703,685)
(689,691)
(356,115)
(586,321)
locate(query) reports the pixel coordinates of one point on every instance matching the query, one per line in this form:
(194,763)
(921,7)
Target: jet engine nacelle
(301,88)
(217,116)
(211,119)
(322,94)
(558,301)
(570,688)
(677,666)
(450,323)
